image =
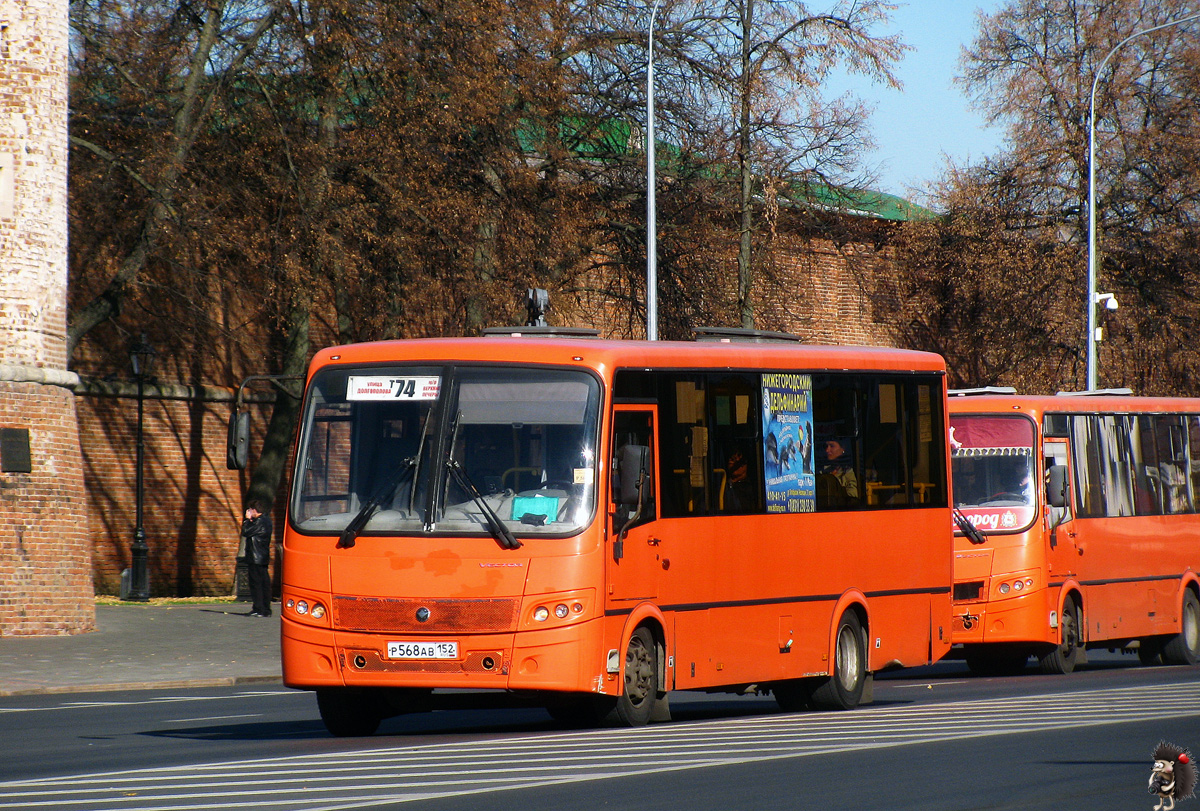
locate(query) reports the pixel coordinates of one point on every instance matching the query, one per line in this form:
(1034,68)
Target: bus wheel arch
(843,689)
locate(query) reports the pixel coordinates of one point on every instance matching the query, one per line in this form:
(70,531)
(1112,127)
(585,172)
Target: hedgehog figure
(1173,776)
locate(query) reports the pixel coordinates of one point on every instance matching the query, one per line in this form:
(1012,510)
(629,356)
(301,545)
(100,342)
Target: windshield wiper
(350,533)
(969,529)
(499,529)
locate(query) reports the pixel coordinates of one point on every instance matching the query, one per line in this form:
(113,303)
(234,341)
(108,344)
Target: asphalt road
(936,738)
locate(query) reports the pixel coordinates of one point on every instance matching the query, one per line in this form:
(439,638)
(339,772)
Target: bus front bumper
(555,659)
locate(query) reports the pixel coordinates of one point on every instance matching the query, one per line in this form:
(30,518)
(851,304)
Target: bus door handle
(654,541)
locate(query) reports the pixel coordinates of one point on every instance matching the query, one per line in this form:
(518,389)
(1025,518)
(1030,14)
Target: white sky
(930,119)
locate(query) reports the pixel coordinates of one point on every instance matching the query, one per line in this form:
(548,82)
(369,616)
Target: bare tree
(760,68)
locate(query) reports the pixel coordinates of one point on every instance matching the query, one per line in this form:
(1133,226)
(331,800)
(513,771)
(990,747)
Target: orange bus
(1086,523)
(589,524)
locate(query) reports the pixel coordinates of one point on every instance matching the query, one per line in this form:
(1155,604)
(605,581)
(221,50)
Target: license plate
(422,650)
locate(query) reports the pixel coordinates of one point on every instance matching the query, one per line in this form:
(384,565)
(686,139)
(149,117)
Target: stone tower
(45,554)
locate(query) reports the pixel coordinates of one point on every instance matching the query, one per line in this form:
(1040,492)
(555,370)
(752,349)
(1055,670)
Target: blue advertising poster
(787,442)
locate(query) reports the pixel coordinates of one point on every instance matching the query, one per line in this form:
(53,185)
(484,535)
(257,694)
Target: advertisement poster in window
(787,442)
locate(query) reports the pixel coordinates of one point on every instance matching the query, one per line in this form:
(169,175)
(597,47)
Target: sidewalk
(138,646)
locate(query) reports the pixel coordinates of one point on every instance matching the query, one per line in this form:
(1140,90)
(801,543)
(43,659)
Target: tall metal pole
(651,216)
(1091,268)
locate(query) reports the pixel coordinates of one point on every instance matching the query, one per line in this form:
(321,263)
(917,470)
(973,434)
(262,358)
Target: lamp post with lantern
(141,359)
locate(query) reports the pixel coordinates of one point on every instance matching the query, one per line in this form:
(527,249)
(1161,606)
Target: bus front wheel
(1184,647)
(348,712)
(843,690)
(1063,657)
(635,705)
(795,695)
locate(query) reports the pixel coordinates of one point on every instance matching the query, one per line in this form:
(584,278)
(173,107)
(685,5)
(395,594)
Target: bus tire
(1062,658)
(843,690)
(635,705)
(995,659)
(581,711)
(348,712)
(1150,650)
(1184,647)
(794,695)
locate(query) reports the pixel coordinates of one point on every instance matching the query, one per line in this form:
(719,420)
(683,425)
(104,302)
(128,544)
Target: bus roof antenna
(537,302)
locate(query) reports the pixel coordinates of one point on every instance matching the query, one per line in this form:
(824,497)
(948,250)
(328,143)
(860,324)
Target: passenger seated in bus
(740,491)
(838,468)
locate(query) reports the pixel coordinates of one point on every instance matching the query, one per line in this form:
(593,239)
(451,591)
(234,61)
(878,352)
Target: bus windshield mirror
(1056,486)
(631,465)
(969,529)
(348,535)
(497,527)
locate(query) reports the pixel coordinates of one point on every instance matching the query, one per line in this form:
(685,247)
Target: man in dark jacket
(256,531)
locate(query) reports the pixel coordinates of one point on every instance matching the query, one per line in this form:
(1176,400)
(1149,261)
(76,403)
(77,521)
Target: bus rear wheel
(348,712)
(843,690)
(635,705)
(1063,657)
(1184,647)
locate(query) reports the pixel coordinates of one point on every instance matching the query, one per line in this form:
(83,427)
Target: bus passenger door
(633,546)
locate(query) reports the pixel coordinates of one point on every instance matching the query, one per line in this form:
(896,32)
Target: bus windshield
(993,469)
(431,449)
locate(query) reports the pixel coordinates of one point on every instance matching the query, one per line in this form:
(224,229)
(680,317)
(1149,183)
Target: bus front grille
(390,615)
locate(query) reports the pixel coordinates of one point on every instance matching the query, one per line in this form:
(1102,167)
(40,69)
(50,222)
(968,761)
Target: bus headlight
(305,608)
(1004,587)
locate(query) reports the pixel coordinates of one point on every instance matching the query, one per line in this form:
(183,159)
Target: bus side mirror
(1056,486)
(237,447)
(632,462)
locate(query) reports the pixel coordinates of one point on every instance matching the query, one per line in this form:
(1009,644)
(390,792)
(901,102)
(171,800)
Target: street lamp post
(651,215)
(141,359)
(1093,300)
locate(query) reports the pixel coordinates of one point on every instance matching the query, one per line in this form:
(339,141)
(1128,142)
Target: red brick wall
(45,577)
(815,289)
(192,503)
(809,286)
